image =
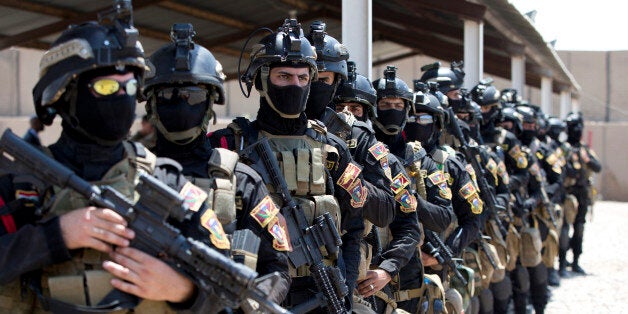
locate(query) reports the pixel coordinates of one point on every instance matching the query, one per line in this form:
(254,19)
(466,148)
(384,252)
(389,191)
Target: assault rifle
(211,271)
(306,240)
(441,252)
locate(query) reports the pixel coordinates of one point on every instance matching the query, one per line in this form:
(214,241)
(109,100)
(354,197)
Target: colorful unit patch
(437,177)
(476,204)
(444,191)
(468,190)
(217,235)
(501,171)
(408,201)
(29,195)
(519,156)
(265,211)
(278,229)
(193,196)
(348,176)
(358,194)
(378,150)
(386,167)
(491,166)
(399,182)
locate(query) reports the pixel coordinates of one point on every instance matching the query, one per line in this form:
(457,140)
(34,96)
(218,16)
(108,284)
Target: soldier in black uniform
(398,256)
(186,82)
(331,60)
(58,251)
(282,70)
(582,162)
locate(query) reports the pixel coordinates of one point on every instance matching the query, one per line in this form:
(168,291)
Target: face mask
(106,117)
(527,136)
(393,120)
(320,97)
(288,101)
(574,135)
(178,115)
(419,132)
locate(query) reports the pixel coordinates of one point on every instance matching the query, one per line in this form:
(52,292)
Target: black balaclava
(419,132)
(179,115)
(320,97)
(574,133)
(104,119)
(527,136)
(391,120)
(554,133)
(270,121)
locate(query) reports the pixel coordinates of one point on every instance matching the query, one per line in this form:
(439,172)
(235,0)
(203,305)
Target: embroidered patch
(444,191)
(408,201)
(193,196)
(399,182)
(534,169)
(29,195)
(468,190)
(491,166)
(501,171)
(358,194)
(217,235)
(378,150)
(471,172)
(519,156)
(539,155)
(476,204)
(278,229)
(552,159)
(348,176)
(386,166)
(436,177)
(265,211)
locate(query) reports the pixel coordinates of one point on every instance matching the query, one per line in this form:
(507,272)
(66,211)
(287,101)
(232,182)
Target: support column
(518,73)
(565,103)
(473,52)
(357,33)
(546,95)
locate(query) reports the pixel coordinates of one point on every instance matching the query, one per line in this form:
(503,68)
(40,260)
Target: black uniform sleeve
(593,164)
(406,235)
(435,212)
(380,204)
(468,222)
(252,191)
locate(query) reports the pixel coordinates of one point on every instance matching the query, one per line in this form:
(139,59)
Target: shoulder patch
(29,195)
(279,230)
(467,190)
(501,171)
(519,156)
(476,204)
(358,194)
(437,177)
(386,167)
(265,211)
(193,196)
(348,176)
(378,150)
(399,182)
(552,159)
(539,155)
(444,191)
(408,201)
(209,221)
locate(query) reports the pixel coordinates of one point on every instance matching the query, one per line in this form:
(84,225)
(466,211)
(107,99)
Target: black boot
(552,277)
(575,267)
(562,263)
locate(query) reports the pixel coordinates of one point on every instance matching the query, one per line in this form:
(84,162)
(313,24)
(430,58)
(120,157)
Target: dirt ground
(605,258)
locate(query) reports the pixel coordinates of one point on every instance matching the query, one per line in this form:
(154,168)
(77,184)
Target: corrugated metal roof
(429,27)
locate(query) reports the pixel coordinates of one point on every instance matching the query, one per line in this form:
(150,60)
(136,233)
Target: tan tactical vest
(82,280)
(302,161)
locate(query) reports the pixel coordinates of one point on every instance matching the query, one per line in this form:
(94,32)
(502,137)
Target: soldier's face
(285,76)
(354,108)
(454,94)
(326,77)
(391,103)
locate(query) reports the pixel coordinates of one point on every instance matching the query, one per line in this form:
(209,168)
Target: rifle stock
(213,272)
(442,253)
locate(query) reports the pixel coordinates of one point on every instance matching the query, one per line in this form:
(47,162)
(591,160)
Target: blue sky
(580,24)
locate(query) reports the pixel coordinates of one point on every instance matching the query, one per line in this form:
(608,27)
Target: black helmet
(85,47)
(555,126)
(448,79)
(510,97)
(528,114)
(485,94)
(575,127)
(511,114)
(357,88)
(183,62)
(331,55)
(390,121)
(286,47)
(426,101)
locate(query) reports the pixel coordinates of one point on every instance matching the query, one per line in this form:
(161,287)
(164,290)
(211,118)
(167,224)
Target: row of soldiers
(370,159)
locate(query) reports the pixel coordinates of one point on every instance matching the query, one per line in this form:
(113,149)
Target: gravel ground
(605,258)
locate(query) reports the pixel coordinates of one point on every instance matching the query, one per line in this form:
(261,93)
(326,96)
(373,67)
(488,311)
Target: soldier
(69,257)
(181,90)
(582,162)
(282,68)
(397,257)
(331,60)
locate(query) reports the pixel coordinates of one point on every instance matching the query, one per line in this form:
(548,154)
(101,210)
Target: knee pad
(454,301)
(520,280)
(502,290)
(486,301)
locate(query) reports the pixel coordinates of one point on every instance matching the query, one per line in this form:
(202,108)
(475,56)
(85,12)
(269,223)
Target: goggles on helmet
(192,94)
